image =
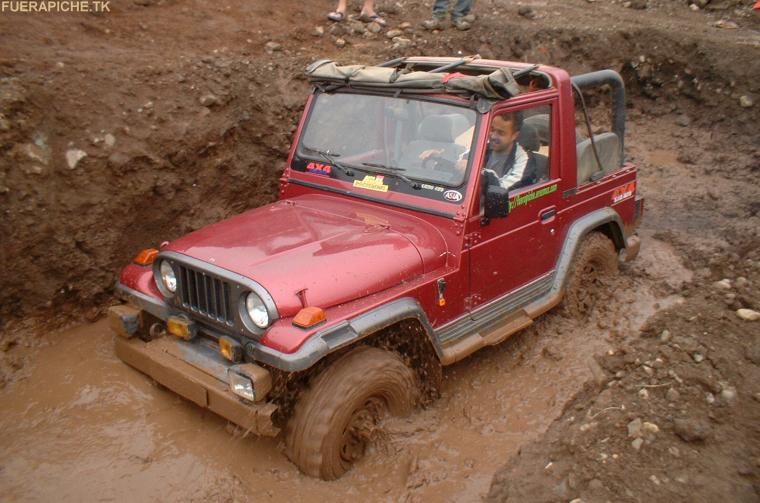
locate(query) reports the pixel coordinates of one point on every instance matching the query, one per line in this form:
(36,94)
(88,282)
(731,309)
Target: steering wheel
(435,162)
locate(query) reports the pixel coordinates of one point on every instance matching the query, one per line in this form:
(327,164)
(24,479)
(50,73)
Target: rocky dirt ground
(123,129)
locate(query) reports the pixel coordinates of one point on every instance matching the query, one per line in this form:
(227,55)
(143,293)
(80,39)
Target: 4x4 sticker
(523,199)
(452,195)
(372,183)
(623,192)
(318,169)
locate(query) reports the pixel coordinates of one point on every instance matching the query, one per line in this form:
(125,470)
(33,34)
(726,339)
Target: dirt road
(184,116)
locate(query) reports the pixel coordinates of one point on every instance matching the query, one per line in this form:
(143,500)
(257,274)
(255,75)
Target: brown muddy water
(82,426)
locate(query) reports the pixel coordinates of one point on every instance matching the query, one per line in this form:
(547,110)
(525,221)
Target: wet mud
(85,427)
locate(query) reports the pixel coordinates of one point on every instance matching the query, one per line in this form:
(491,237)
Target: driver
(507,163)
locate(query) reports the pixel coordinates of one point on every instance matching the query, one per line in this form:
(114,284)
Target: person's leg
(461,9)
(368,13)
(368,9)
(339,14)
(440,7)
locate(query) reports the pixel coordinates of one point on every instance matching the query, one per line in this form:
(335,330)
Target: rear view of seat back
(436,132)
(608,148)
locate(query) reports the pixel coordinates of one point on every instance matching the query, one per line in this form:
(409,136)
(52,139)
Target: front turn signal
(309,316)
(146,257)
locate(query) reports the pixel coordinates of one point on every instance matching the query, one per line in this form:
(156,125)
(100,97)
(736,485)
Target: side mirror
(497,202)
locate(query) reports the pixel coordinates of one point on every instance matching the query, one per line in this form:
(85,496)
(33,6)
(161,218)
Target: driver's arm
(430,152)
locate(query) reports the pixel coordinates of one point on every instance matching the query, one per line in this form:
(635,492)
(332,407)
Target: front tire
(595,263)
(334,421)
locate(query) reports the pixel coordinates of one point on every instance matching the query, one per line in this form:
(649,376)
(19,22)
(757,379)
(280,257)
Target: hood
(332,249)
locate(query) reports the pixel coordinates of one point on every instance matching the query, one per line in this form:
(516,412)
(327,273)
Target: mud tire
(590,275)
(337,417)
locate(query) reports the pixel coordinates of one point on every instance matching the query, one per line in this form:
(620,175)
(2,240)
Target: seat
(436,132)
(608,148)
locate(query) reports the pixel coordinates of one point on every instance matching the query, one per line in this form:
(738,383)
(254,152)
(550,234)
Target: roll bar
(611,77)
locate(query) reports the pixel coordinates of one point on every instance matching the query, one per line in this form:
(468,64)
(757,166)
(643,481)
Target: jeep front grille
(206,295)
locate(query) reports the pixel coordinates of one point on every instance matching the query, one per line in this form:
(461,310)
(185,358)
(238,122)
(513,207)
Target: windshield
(424,144)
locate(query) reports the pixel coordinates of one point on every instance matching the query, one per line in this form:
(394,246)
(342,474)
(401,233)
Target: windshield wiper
(327,156)
(392,171)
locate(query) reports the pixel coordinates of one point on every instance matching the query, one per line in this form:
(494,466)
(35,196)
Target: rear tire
(594,265)
(334,421)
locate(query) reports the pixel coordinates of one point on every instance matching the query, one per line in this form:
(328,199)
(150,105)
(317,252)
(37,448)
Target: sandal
(336,16)
(374,18)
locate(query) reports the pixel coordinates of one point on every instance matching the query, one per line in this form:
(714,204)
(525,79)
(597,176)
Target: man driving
(507,163)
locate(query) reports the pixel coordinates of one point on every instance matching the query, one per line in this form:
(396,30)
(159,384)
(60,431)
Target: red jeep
(398,246)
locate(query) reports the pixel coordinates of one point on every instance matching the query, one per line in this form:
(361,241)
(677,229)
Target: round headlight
(168,277)
(257,310)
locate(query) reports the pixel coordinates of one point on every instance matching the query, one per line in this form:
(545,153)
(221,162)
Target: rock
(319,31)
(401,43)
(665,336)
(748,314)
(650,428)
(209,100)
(634,428)
(728,394)
(637,443)
(407,26)
(691,430)
(694,7)
(648,370)
(727,25)
(639,4)
(698,357)
(527,12)
(272,47)
(724,284)
(73,156)
(357,27)
(394,33)
(709,398)
(672,395)
(643,394)
(752,353)
(741,282)
(340,42)
(595,484)
(374,27)
(683,120)
(109,140)
(745,101)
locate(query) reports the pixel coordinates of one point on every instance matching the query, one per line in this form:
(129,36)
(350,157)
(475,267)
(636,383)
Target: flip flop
(336,16)
(374,18)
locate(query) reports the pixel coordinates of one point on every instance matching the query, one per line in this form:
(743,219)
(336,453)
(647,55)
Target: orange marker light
(309,316)
(146,257)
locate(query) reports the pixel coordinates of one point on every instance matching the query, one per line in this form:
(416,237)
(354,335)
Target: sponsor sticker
(436,188)
(372,183)
(318,168)
(452,195)
(523,199)
(623,192)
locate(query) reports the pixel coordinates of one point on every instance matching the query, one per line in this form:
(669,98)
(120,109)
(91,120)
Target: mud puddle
(85,427)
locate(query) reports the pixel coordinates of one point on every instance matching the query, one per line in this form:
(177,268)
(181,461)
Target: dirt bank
(121,130)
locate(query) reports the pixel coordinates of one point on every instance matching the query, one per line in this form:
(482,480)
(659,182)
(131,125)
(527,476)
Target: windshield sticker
(436,188)
(372,183)
(523,199)
(623,192)
(452,195)
(318,169)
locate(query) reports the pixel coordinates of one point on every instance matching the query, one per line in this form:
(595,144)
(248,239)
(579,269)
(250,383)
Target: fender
(343,334)
(575,234)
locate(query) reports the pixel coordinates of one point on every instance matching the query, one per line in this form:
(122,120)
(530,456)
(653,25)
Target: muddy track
(186,119)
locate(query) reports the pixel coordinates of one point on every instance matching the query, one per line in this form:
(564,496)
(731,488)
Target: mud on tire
(335,419)
(589,278)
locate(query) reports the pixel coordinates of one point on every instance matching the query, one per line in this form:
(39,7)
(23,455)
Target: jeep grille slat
(205,295)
